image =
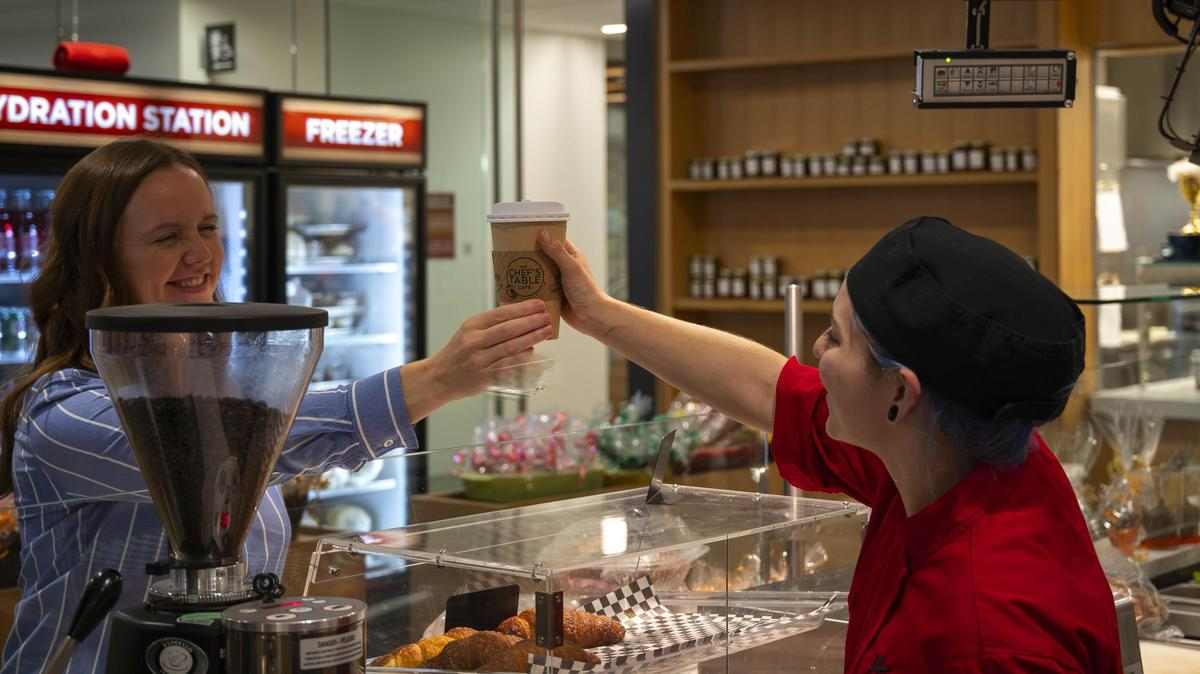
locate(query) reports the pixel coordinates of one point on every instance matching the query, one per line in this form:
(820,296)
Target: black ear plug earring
(893,411)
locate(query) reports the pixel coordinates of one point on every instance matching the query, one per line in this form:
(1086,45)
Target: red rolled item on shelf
(93,57)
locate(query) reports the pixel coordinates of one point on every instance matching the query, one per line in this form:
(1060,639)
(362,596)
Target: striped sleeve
(74,435)
(349,425)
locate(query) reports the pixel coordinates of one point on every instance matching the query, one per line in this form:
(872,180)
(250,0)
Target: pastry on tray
(584,629)
(416,655)
(408,655)
(460,632)
(472,652)
(516,626)
(516,657)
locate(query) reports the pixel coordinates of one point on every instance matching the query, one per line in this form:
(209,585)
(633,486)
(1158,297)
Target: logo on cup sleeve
(524,278)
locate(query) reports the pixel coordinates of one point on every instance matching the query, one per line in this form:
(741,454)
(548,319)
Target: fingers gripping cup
(521,270)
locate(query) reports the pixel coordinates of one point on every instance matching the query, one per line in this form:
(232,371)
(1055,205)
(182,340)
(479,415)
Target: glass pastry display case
(611,582)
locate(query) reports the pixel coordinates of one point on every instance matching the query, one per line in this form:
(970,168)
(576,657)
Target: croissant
(408,655)
(587,630)
(590,630)
(460,633)
(516,658)
(471,652)
(431,647)
(517,627)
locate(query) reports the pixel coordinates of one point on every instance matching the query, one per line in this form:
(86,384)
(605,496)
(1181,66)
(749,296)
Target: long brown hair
(80,270)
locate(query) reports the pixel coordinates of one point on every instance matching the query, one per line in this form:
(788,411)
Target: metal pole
(74,20)
(293,49)
(793,344)
(328,50)
(518,94)
(518,58)
(495,163)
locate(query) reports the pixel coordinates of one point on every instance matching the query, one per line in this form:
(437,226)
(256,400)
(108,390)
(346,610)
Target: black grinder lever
(99,597)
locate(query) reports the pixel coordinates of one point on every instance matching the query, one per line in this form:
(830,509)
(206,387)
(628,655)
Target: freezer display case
(351,250)
(348,200)
(694,577)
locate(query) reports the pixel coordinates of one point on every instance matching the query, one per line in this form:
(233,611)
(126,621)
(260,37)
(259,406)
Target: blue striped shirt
(83,506)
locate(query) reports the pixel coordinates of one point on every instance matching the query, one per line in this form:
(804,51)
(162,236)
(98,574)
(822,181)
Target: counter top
(1160,658)
(1172,398)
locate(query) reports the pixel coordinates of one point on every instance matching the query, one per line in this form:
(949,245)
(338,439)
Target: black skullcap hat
(971,319)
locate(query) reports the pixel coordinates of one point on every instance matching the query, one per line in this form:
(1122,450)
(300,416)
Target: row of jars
(708,280)
(965,157)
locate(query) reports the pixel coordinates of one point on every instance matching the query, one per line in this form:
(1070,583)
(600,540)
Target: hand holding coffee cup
(521,270)
(583,298)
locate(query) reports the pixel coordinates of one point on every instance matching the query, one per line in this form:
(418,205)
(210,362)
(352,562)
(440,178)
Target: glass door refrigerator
(49,121)
(349,239)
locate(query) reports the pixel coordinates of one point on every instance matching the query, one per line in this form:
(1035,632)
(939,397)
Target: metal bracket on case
(548,632)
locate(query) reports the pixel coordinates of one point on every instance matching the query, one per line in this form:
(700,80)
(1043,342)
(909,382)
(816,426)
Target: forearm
(424,392)
(735,375)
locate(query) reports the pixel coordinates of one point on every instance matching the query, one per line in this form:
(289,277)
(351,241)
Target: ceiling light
(613,29)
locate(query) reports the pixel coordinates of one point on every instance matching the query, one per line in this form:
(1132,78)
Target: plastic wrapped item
(1126,579)
(706,438)
(1122,509)
(1076,444)
(532,456)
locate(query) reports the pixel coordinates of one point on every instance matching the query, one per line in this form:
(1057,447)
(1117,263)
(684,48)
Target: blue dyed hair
(999,442)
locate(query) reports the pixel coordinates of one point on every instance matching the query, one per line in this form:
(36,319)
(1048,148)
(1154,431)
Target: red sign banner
(43,110)
(344,131)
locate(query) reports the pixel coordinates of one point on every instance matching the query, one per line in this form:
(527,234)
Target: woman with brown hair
(134,223)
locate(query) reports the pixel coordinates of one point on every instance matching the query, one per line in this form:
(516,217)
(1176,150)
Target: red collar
(953,513)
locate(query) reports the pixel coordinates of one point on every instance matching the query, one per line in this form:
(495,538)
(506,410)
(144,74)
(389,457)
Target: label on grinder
(523,275)
(332,650)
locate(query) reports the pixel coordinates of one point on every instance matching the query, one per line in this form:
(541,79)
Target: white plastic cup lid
(528,211)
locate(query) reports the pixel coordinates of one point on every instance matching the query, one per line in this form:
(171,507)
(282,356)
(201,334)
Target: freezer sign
(986,78)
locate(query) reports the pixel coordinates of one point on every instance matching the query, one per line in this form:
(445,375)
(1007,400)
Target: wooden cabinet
(807,76)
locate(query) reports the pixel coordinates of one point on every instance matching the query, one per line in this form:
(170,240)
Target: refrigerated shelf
(13,278)
(348,268)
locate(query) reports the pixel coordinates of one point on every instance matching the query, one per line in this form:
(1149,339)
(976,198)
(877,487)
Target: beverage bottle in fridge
(27,230)
(8,242)
(21,331)
(8,331)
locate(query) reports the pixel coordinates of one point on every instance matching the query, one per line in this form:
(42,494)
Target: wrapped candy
(549,442)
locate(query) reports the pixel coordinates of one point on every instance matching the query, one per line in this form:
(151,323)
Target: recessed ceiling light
(613,29)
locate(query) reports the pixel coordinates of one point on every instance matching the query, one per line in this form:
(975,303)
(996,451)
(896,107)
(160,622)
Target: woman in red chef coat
(944,353)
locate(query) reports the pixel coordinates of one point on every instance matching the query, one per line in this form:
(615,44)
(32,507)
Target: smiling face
(168,240)
(858,392)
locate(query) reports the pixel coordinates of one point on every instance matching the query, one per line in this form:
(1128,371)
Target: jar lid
(294,614)
(528,211)
(210,317)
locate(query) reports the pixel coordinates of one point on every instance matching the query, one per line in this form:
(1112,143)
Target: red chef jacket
(997,576)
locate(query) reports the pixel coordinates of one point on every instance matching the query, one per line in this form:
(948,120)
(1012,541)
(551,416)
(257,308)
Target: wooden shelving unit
(740,306)
(856,182)
(807,76)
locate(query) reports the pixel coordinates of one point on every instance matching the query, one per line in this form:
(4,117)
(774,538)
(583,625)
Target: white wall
(263,35)
(386,52)
(445,60)
(564,145)
(148,29)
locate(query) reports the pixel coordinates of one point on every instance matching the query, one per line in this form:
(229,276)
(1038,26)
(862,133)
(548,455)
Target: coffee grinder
(206,394)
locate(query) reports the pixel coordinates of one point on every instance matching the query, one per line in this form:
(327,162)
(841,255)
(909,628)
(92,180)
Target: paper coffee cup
(522,272)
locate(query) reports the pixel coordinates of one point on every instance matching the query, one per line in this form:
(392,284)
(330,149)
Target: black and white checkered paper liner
(653,632)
